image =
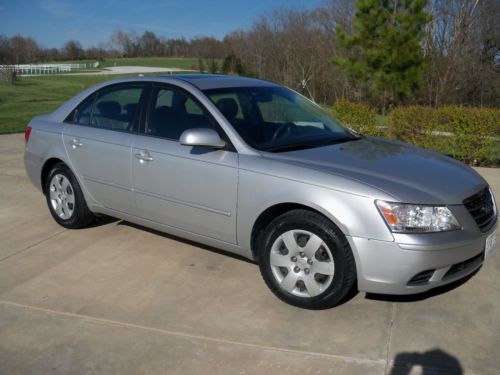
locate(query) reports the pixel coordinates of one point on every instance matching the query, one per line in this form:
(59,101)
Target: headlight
(413,218)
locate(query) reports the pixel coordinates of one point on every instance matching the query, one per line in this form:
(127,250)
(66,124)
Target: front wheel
(306,260)
(65,198)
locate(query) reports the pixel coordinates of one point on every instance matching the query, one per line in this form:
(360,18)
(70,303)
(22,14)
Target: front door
(189,188)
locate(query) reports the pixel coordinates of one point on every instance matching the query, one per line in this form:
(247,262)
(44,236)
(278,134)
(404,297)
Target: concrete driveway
(116,298)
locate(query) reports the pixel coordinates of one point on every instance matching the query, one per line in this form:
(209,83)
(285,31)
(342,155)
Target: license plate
(491,241)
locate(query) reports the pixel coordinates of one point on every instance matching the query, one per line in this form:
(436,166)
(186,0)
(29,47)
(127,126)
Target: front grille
(466,264)
(482,209)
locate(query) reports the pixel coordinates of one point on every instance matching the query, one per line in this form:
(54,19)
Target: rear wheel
(306,260)
(65,198)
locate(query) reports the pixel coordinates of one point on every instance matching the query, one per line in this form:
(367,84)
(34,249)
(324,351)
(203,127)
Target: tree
(73,50)
(126,42)
(213,66)
(23,50)
(201,66)
(385,47)
(232,65)
(462,48)
(149,44)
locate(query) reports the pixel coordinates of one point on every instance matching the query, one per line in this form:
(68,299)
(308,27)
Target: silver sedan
(256,169)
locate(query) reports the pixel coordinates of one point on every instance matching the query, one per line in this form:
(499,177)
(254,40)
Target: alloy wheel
(62,196)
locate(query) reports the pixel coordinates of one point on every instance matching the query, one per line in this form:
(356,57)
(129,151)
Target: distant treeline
(460,48)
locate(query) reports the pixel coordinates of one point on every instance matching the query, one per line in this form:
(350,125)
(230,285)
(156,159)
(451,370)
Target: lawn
(32,96)
(162,62)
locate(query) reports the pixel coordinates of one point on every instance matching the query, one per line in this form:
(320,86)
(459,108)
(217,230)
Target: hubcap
(302,263)
(62,196)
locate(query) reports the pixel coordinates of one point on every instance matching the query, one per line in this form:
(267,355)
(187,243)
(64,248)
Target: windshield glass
(276,119)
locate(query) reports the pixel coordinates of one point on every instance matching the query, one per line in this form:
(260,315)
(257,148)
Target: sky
(53,22)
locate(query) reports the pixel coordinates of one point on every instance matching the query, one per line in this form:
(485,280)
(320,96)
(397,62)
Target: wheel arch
(272,212)
(47,166)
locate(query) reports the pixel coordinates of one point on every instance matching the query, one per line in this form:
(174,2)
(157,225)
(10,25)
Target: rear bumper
(33,166)
(394,268)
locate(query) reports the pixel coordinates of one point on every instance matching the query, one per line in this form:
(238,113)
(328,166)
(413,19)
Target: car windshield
(276,119)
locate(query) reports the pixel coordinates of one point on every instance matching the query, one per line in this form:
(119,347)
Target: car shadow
(421,296)
(185,241)
(431,362)
(101,220)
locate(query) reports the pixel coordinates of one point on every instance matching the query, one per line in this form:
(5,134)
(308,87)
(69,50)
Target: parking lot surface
(117,298)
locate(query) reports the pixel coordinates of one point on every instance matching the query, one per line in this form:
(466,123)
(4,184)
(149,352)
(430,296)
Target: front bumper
(391,267)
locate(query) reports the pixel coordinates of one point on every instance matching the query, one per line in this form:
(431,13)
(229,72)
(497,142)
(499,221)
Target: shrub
(417,125)
(359,117)
(467,134)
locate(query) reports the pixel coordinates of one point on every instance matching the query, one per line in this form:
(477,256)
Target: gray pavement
(117,298)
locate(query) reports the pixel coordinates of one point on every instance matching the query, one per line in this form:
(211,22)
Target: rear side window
(116,108)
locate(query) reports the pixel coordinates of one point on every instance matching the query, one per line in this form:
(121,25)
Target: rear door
(189,188)
(98,137)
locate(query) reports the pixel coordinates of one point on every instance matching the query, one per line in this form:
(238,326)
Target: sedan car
(255,169)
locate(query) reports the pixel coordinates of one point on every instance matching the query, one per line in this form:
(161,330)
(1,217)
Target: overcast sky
(53,22)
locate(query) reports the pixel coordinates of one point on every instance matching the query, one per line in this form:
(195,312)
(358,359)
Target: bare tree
(462,49)
(73,50)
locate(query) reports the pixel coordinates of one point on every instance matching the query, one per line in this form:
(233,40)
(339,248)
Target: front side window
(116,108)
(172,112)
(276,119)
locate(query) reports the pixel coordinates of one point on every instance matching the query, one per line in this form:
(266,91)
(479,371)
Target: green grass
(162,62)
(33,96)
(381,120)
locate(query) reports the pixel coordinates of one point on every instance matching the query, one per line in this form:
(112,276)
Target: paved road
(115,298)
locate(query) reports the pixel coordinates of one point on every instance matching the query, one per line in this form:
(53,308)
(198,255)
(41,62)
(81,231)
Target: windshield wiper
(338,140)
(291,147)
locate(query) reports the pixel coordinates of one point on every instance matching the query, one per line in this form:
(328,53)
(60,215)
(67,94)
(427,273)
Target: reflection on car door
(189,188)
(98,138)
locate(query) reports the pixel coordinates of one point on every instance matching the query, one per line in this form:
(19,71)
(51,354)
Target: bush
(467,134)
(359,117)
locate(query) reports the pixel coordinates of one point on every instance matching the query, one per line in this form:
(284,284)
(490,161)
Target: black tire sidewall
(344,276)
(81,214)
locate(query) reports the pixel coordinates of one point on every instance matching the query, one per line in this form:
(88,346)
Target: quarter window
(172,112)
(81,115)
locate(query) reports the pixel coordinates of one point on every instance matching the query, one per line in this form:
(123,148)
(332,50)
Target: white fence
(30,69)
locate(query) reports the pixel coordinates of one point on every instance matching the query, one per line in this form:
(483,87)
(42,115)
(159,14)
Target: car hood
(408,173)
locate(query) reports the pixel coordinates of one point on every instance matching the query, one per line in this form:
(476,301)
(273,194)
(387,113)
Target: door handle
(144,156)
(75,142)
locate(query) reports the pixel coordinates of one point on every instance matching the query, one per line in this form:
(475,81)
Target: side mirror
(201,137)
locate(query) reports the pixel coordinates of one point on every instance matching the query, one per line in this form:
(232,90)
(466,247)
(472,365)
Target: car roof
(218,81)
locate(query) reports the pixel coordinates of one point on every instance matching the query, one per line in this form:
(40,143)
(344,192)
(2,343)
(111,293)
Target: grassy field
(32,96)
(162,62)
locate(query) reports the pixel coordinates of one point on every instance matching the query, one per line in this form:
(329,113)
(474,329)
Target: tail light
(27,134)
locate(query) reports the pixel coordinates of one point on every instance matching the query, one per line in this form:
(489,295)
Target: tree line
(383,52)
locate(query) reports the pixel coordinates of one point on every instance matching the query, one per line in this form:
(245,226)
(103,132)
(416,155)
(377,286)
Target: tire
(65,198)
(294,247)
